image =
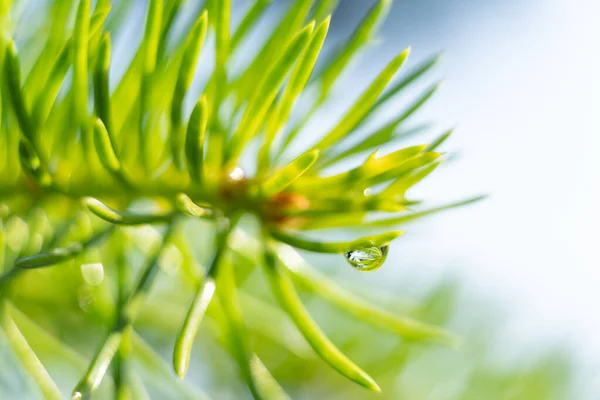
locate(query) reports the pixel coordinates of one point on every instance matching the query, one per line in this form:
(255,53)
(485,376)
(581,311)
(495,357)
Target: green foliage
(117,172)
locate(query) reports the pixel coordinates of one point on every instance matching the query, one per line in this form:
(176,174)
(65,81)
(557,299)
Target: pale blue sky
(522,81)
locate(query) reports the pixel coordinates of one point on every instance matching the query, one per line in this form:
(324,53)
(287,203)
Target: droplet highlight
(237,174)
(368,258)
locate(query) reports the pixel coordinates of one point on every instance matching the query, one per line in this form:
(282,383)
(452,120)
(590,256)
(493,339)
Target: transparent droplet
(237,174)
(368,258)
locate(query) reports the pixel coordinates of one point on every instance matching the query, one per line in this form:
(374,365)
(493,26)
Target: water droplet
(368,258)
(237,174)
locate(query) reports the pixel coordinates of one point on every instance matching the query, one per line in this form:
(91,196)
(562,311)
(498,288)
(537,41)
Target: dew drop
(368,258)
(237,174)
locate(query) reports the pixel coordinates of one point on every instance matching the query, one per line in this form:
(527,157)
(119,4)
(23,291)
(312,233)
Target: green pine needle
(74,131)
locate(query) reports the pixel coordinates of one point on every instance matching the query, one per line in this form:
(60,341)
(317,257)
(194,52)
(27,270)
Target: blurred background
(516,275)
(522,86)
(521,83)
